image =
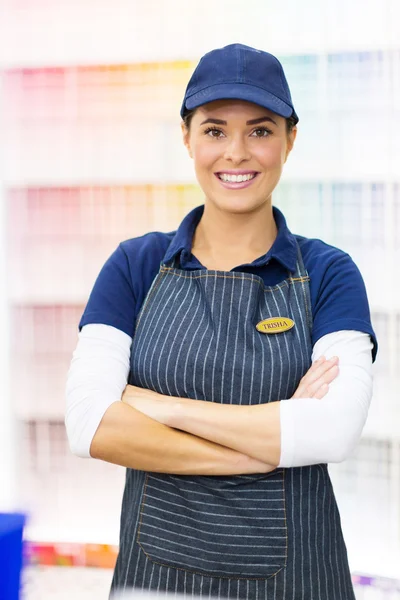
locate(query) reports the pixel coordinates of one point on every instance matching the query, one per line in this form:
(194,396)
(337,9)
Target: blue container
(11,530)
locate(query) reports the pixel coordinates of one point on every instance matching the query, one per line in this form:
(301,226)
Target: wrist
(176,413)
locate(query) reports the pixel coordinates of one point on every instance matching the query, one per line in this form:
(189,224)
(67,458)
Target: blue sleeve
(341,300)
(112,300)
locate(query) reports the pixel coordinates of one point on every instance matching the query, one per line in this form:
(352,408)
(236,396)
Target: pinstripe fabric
(275,536)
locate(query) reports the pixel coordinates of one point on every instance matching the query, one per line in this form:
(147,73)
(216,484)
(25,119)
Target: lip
(238,185)
(237,172)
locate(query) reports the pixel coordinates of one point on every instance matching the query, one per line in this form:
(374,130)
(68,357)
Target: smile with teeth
(236,178)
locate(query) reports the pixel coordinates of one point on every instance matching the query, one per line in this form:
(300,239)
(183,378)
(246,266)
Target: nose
(236,150)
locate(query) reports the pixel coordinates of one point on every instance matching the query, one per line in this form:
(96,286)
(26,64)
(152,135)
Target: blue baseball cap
(239,72)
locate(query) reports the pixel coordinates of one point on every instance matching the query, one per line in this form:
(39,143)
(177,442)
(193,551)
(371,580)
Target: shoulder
(139,246)
(328,265)
(136,261)
(318,256)
(123,281)
(338,295)
(140,259)
(145,246)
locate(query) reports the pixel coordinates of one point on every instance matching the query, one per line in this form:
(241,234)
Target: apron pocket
(216,526)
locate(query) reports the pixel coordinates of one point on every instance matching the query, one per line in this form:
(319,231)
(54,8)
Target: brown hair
(290,121)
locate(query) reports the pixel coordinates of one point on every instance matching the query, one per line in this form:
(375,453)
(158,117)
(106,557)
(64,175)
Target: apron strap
(301,271)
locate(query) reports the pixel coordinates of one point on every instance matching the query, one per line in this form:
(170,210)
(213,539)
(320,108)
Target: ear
(186,138)
(290,143)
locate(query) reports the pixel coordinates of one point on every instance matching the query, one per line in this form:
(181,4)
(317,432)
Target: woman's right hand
(315,383)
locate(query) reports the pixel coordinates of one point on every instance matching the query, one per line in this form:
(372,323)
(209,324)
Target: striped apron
(274,536)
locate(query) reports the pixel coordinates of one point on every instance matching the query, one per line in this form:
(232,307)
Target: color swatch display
(94,157)
(70,232)
(106,124)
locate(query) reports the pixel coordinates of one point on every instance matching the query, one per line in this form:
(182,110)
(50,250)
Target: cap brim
(239,91)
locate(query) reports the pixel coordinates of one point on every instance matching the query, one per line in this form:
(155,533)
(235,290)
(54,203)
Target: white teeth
(236,178)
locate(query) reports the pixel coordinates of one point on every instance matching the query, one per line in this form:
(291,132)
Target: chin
(238,205)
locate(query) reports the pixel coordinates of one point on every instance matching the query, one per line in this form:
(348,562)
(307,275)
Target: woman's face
(239,150)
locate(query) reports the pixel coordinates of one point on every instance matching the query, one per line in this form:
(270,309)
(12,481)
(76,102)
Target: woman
(230,332)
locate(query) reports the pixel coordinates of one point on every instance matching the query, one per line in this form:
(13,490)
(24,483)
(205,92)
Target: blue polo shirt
(338,296)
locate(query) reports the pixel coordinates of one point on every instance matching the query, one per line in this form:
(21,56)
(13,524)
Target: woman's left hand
(154,405)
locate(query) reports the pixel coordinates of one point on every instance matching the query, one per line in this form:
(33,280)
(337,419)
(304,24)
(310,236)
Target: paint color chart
(92,155)
(107,124)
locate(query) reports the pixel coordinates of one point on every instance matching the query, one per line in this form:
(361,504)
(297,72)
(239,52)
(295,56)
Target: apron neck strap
(301,271)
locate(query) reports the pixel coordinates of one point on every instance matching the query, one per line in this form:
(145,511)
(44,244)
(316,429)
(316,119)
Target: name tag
(275,325)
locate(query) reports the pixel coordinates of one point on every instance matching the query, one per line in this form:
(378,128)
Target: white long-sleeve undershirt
(312,431)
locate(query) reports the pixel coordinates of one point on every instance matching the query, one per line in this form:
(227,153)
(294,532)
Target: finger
(322,391)
(317,370)
(303,381)
(312,381)
(325,379)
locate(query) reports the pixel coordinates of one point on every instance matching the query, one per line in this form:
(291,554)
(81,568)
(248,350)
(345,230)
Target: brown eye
(262,132)
(213,132)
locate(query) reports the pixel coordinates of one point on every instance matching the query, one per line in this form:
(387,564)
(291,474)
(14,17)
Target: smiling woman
(233,152)
(238,145)
(247,350)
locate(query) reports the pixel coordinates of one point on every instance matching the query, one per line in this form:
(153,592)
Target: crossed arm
(253,430)
(149,431)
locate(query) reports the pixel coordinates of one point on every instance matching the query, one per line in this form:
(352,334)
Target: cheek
(270,156)
(204,155)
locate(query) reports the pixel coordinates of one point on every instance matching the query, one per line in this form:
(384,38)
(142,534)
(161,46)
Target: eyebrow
(251,122)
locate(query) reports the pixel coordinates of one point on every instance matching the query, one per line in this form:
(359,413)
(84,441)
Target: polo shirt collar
(284,248)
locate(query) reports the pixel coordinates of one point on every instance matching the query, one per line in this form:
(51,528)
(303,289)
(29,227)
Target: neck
(223,236)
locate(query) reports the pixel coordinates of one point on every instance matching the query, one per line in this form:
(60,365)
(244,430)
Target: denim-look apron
(274,536)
